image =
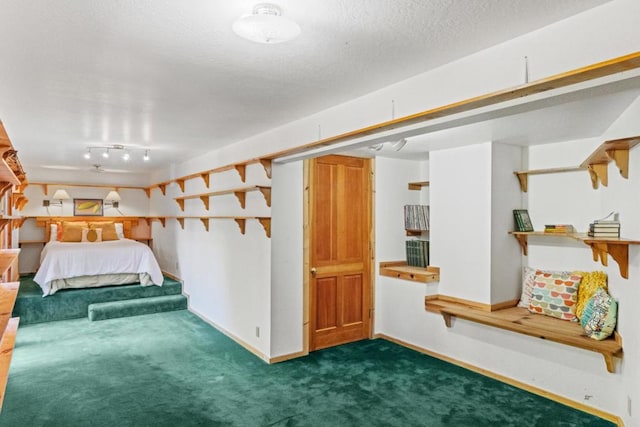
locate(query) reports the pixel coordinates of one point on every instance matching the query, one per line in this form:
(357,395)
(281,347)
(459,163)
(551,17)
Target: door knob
(314,271)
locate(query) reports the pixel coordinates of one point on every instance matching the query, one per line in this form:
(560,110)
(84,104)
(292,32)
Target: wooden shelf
(240,193)
(240,167)
(400,270)
(520,320)
(240,220)
(597,163)
(616,150)
(418,185)
(601,247)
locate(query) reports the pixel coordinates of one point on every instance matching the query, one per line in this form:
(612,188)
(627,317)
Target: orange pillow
(108,230)
(72,231)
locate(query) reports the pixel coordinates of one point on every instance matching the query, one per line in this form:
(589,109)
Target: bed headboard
(127,222)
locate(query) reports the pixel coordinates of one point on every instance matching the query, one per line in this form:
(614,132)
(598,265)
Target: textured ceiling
(171,76)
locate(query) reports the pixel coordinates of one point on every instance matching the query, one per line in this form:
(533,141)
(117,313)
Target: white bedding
(62,260)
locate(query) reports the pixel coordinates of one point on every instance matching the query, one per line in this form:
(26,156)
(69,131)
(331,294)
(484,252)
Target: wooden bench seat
(520,320)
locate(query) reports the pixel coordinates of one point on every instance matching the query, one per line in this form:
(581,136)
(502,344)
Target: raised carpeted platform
(136,307)
(31,307)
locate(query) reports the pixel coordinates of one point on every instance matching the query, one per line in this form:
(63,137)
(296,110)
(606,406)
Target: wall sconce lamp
(58,197)
(112,199)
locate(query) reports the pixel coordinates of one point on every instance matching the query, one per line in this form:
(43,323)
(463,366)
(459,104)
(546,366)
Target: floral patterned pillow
(599,315)
(555,295)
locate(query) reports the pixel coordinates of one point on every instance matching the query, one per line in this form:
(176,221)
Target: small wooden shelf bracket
(205,178)
(163,189)
(181,222)
(180,203)
(599,172)
(205,222)
(618,251)
(266,224)
(418,185)
(205,201)
(522,239)
(242,171)
(180,183)
(266,164)
(266,192)
(241,195)
(241,223)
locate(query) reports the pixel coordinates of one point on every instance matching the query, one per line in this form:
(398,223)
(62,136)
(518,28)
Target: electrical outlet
(257,331)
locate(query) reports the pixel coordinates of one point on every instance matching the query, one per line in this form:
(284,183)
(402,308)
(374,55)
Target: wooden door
(339,250)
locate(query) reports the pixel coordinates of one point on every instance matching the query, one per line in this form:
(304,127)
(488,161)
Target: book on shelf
(522,220)
(559,228)
(416,217)
(417,253)
(608,226)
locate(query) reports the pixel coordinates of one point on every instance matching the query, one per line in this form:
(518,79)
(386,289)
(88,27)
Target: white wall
(226,274)
(286,259)
(460,185)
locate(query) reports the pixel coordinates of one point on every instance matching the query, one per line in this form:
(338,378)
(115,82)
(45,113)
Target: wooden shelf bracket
(266,224)
(205,201)
(241,195)
(266,164)
(618,251)
(241,223)
(242,171)
(205,222)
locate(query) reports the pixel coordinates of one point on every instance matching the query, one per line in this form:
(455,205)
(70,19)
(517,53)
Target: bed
(83,264)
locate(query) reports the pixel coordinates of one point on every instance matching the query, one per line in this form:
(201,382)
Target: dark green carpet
(172,369)
(31,307)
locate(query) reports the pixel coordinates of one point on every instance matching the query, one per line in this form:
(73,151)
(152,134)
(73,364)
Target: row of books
(416,217)
(417,253)
(559,229)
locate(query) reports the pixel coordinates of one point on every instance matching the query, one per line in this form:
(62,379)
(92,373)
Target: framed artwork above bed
(87,207)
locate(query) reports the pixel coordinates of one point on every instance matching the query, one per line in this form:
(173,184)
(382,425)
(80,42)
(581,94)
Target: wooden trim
(235,338)
(286,357)
(306,255)
(504,304)
(507,380)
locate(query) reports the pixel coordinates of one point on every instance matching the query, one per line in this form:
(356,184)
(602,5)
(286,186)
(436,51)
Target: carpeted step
(136,307)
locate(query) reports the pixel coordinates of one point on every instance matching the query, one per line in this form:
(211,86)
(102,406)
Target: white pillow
(119,230)
(53,236)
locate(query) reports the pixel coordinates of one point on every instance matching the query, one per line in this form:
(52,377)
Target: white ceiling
(171,76)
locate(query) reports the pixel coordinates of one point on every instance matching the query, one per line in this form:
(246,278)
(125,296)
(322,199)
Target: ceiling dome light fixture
(266,25)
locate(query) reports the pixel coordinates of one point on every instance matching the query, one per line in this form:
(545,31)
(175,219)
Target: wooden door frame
(306,258)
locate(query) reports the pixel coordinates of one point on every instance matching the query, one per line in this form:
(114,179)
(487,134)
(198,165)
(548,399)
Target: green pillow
(599,315)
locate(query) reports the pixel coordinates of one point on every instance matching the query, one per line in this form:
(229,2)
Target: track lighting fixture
(106,150)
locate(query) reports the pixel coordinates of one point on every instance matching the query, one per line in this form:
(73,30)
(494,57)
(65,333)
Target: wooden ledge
(520,320)
(400,270)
